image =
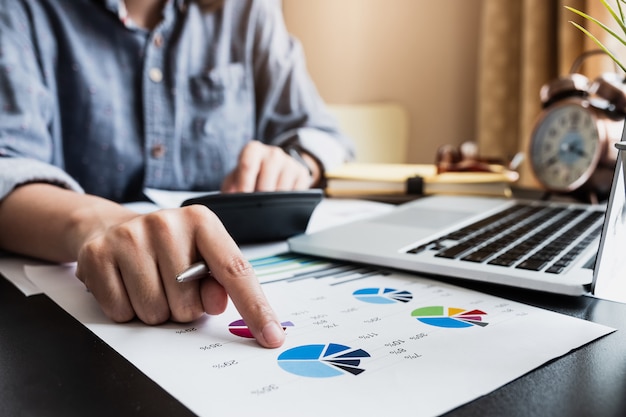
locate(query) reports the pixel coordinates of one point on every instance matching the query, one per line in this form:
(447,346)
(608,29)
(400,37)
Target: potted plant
(618,15)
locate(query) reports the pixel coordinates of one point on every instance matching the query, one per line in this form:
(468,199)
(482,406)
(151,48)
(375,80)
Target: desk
(53,366)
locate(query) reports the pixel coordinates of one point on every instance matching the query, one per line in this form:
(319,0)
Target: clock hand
(573,149)
(552,160)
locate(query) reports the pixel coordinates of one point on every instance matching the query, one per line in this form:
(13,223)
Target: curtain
(523,45)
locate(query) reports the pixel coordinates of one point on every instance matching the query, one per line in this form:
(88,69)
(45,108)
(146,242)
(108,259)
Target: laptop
(540,245)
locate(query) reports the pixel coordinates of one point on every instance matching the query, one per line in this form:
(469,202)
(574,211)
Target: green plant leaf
(601,45)
(621,12)
(619,19)
(596,21)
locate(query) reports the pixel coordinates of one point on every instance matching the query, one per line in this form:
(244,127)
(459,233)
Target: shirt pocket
(211,90)
(222,106)
(220,119)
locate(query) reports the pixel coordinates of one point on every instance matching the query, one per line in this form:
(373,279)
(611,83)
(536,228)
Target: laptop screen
(609,278)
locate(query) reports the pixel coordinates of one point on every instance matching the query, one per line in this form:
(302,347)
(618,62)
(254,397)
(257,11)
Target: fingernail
(273,334)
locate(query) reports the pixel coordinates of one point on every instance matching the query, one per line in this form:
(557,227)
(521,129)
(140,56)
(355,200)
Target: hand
(264,167)
(129,262)
(131,270)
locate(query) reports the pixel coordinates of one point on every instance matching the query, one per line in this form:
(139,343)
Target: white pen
(195,271)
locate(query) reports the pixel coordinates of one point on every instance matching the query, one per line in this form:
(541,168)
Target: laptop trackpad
(424,218)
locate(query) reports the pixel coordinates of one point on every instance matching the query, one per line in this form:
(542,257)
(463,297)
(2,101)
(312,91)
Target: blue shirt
(93,103)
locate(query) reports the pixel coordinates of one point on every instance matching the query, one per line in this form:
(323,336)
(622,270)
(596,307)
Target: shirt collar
(119,8)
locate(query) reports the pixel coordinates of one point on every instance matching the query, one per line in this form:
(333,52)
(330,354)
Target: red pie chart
(239,328)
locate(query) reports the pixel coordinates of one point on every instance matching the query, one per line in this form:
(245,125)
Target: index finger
(229,267)
(248,167)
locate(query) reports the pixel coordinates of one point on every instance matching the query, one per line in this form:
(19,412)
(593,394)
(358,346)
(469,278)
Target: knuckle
(151,307)
(201,215)
(159,221)
(119,315)
(198,211)
(275,152)
(254,146)
(238,266)
(187,314)
(110,303)
(124,234)
(91,253)
(257,305)
(245,165)
(154,316)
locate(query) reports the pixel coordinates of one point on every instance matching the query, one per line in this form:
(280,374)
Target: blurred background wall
(420,53)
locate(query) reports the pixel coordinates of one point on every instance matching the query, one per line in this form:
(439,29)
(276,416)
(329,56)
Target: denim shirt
(93,103)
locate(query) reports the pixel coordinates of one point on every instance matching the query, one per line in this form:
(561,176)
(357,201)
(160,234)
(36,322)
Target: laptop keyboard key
(532,264)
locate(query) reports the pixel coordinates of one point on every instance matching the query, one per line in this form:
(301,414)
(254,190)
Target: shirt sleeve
(19,171)
(289,107)
(26,103)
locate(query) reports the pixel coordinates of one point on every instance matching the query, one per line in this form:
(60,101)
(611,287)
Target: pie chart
(383,295)
(239,328)
(450,317)
(322,360)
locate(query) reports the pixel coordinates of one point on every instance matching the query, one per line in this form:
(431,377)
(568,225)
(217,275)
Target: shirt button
(158,151)
(158,40)
(208,128)
(155,75)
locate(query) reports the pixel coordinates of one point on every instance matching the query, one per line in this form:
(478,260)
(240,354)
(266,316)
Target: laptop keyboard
(523,236)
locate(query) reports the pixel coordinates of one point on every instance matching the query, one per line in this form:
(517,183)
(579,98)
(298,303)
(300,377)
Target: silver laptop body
(423,236)
(412,235)
(609,280)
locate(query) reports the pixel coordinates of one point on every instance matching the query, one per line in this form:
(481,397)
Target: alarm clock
(571,146)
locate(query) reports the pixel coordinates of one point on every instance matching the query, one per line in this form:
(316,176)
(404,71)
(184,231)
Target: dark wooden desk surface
(51,365)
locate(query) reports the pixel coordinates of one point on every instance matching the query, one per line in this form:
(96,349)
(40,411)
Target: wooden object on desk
(359,179)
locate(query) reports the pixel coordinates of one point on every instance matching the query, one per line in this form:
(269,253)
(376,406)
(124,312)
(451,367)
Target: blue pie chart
(322,360)
(382,295)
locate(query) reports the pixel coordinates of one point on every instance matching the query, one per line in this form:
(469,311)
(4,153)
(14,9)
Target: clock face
(565,147)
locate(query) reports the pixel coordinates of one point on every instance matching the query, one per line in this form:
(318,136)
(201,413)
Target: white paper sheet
(12,267)
(363,342)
